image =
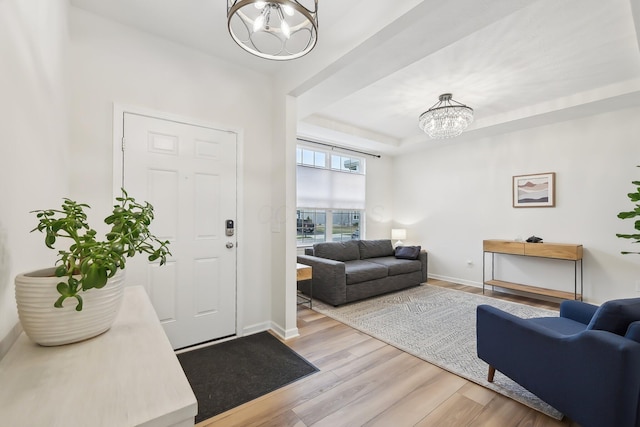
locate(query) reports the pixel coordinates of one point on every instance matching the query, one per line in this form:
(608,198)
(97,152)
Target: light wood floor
(365,382)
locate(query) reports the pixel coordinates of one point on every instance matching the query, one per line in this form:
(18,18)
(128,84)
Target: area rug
(231,373)
(437,325)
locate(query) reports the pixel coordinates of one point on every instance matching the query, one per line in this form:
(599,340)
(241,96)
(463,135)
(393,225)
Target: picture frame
(534,191)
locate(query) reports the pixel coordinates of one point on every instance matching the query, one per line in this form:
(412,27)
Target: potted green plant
(635,198)
(89,270)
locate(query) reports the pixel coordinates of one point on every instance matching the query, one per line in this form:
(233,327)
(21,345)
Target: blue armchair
(585,363)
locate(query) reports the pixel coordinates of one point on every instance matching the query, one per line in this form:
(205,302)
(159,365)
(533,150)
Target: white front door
(188,173)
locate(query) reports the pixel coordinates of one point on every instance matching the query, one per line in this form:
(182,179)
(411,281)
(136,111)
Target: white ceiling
(379,63)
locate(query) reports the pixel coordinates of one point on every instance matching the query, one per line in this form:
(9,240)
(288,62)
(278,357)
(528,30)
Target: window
(345,164)
(308,157)
(346,225)
(311,226)
(314,225)
(330,196)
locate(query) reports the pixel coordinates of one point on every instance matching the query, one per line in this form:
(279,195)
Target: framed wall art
(534,191)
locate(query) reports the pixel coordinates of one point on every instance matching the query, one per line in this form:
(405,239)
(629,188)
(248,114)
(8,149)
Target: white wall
(378,198)
(454,196)
(113,63)
(33,137)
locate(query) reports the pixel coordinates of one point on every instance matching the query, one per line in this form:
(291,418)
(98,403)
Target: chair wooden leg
(492,372)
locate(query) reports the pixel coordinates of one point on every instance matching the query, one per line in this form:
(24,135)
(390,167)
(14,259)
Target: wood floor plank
(500,412)
(457,410)
(425,398)
(387,391)
(354,388)
(348,355)
(477,393)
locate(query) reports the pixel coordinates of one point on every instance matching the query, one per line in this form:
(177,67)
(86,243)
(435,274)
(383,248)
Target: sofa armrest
(424,259)
(633,331)
(329,279)
(578,311)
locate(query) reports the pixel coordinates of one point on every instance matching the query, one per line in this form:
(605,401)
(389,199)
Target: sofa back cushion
(337,251)
(616,315)
(375,248)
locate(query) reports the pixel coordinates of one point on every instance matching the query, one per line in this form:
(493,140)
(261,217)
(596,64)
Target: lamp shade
(398,233)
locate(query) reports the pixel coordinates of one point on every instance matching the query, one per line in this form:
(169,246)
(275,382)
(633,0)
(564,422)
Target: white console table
(128,376)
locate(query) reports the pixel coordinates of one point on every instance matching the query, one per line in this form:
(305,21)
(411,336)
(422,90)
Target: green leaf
(80,303)
(63,289)
(49,240)
(61,270)
(625,215)
(59,301)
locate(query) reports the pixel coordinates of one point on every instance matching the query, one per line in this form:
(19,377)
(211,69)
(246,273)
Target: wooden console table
(562,251)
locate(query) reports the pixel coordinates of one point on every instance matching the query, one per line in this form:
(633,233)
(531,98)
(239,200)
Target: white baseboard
(276,328)
(284,334)
(255,328)
(456,280)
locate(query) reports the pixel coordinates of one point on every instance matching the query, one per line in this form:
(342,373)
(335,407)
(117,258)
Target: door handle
(229,245)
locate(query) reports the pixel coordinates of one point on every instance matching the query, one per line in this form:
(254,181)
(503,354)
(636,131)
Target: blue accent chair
(585,363)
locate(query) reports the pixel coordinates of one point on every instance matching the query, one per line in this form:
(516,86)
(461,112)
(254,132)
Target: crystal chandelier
(276,29)
(446,119)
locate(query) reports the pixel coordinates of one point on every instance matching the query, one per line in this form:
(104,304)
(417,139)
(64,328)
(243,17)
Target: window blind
(328,189)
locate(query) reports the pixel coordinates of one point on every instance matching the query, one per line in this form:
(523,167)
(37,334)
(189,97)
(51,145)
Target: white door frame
(118,169)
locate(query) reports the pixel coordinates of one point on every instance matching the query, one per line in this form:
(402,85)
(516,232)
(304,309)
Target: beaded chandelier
(446,119)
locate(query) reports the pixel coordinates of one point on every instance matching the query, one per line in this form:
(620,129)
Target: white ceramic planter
(49,326)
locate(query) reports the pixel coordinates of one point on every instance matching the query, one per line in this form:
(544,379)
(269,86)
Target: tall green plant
(635,198)
(88,263)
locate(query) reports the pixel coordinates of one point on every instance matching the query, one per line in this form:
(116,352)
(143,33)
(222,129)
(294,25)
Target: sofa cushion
(337,251)
(616,315)
(408,252)
(375,248)
(362,271)
(398,266)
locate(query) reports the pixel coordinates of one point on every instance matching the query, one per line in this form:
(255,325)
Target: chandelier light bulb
(260,5)
(285,29)
(287,9)
(258,24)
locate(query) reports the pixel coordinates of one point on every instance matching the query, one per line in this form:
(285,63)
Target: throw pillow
(408,252)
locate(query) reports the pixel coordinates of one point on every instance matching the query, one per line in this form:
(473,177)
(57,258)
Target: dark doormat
(234,372)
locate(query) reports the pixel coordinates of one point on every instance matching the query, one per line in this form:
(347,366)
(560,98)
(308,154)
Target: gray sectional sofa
(348,271)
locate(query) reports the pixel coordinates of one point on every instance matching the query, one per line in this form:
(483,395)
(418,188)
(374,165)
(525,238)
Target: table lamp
(398,234)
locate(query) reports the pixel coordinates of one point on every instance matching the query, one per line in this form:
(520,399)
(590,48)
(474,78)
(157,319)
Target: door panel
(188,173)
